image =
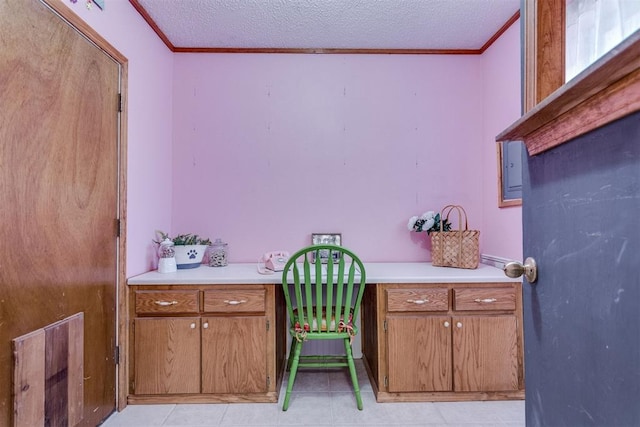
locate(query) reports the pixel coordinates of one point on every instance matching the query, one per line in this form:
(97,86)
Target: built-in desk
(377,272)
(428,333)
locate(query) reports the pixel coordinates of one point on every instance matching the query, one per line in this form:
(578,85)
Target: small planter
(189,248)
(189,256)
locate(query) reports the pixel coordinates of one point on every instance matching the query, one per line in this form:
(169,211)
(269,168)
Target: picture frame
(509,173)
(326,239)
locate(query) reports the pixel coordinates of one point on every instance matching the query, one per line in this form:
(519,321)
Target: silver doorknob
(514,269)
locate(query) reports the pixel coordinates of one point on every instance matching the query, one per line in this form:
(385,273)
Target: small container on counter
(167,254)
(218,254)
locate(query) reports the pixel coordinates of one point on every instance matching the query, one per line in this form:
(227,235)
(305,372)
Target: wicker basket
(457,248)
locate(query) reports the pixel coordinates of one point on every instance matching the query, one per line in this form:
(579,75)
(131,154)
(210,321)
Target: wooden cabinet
(207,343)
(485,353)
(460,341)
(236,359)
(167,355)
(236,346)
(419,353)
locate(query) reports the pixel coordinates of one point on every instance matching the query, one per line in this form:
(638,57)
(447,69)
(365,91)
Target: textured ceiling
(329,24)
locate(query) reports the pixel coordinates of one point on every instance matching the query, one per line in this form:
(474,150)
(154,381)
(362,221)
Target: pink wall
(149,109)
(502,229)
(270,148)
(256,138)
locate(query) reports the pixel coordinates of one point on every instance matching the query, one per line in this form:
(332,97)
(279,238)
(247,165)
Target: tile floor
(324,398)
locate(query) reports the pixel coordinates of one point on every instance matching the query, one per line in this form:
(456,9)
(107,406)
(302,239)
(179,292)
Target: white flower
(412,222)
(429,220)
(428,215)
(428,224)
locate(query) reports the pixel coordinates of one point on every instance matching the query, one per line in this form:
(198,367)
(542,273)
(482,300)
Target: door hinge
(268,382)
(118,225)
(119,103)
(268,325)
(117,355)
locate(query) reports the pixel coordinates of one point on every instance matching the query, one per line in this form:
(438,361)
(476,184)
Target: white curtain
(594,27)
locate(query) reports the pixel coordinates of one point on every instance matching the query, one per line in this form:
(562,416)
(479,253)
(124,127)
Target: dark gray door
(581,220)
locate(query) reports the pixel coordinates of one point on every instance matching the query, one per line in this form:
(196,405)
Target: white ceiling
(329,24)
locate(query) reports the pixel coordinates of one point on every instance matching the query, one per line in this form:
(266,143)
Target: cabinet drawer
(234,301)
(428,299)
(484,299)
(167,301)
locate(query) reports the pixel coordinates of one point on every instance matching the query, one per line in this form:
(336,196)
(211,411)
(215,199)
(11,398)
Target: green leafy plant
(183,239)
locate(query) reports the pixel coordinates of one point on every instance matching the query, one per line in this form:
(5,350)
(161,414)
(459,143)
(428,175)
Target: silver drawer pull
(235,302)
(418,301)
(487,300)
(166,303)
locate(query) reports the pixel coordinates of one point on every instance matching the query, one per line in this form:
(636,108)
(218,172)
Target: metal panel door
(581,221)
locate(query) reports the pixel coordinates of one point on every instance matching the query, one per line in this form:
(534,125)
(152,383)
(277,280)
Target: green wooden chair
(323,302)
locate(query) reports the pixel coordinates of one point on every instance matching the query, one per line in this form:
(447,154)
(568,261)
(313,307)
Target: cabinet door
(419,349)
(167,355)
(485,354)
(234,354)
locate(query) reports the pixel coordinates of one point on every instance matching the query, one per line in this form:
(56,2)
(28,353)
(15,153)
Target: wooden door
(419,353)
(167,355)
(485,353)
(234,354)
(59,192)
(581,222)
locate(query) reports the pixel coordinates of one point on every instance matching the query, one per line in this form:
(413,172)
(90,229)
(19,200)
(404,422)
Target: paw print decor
(189,256)
(192,254)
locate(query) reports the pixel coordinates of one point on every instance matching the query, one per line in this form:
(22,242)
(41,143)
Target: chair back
(323,287)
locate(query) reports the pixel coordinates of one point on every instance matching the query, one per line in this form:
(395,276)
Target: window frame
(556,112)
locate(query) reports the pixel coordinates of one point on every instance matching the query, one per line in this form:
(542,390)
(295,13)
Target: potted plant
(189,248)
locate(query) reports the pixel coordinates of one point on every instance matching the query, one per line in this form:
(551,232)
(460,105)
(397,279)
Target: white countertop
(377,272)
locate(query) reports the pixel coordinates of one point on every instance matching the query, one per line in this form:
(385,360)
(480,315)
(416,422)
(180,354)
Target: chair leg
(292,374)
(352,371)
(294,344)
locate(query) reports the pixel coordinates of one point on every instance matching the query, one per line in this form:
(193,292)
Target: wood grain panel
(233,355)
(604,92)
(59,133)
(279,331)
(167,355)
(485,353)
(425,299)
(56,373)
(484,299)
(75,363)
(550,42)
(48,375)
(234,301)
(612,103)
(28,379)
(369,331)
(419,353)
(155,302)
